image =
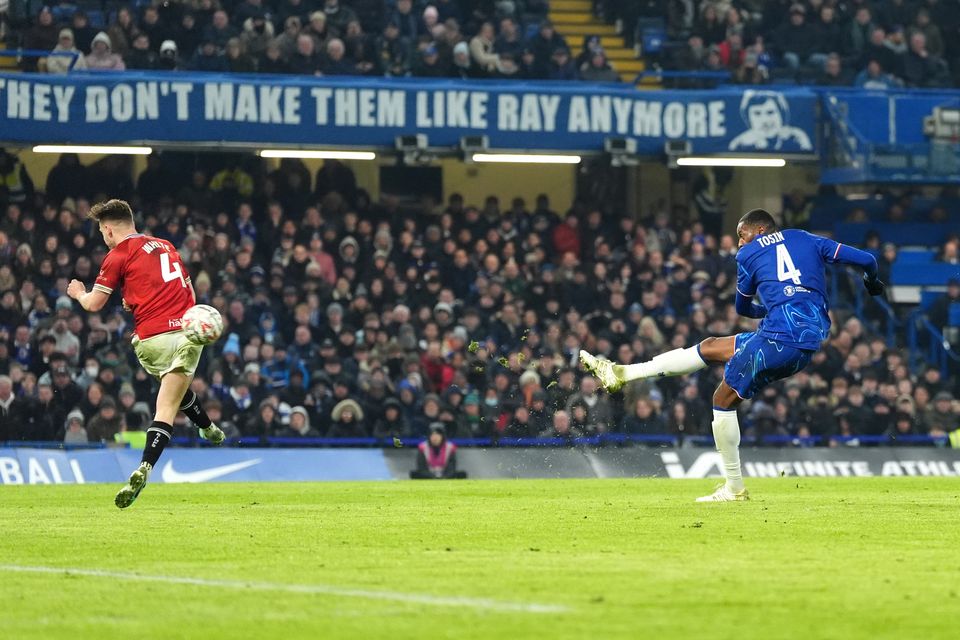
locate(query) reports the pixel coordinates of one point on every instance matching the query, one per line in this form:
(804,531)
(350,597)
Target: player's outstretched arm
(747,308)
(90,300)
(849,255)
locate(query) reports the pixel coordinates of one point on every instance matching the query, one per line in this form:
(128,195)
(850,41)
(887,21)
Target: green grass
(825,558)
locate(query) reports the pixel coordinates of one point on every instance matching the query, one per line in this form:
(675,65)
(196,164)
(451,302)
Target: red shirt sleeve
(111,273)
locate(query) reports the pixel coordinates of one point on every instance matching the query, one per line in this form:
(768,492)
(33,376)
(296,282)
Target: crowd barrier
(28,465)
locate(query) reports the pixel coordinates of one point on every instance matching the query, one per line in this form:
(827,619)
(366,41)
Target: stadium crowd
(352,318)
(880,44)
(874,45)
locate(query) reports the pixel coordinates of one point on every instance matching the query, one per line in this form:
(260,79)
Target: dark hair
(758,217)
(112,211)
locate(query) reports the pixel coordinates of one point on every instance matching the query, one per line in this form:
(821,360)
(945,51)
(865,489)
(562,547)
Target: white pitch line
(312,589)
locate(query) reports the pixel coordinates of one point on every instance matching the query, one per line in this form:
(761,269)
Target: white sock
(672,363)
(726,433)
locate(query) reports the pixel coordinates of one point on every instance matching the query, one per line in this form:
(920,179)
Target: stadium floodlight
(82,148)
(694,161)
(526,158)
(317,154)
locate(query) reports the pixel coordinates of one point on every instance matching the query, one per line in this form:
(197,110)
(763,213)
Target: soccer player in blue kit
(786,269)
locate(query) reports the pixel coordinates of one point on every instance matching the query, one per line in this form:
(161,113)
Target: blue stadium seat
(921,234)
(933,274)
(653,39)
(953,314)
(97,18)
(916,256)
(928,297)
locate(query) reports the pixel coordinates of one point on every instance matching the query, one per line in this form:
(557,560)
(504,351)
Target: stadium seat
(934,274)
(916,256)
(920,234)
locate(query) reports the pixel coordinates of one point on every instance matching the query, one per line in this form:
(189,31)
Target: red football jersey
(155,284)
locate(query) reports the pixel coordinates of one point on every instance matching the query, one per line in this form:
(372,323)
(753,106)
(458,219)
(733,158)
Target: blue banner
(42,466)
(102,108)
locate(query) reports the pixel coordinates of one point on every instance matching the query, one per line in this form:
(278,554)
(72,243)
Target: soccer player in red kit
(158,291)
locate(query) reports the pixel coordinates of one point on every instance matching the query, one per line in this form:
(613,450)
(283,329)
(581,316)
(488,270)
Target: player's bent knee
(725,397)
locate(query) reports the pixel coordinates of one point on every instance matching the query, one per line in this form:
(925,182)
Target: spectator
(306,61)
(257,34)
(188,35)
(67,179)
(272,60)
(920,67)
(265,423)
(874,77)
(44,34)
(561,66)
(877,49)
(338,16)
(347,420)
(122,30)
(83,33)
(828,31)
(209,58)
(336,64)
(930,31)
(858,34)
(219,31)
(73,429)
(437,457)
(405,18)
(61,64)
(599,413)
(598,70)
(430,65)
(644,419)
(833,73)
(141,56)
(561,428)
(300,425)
(797,41)
(106,423)
(463,66)
(508,41)
(237,59)
(101,58)
(169,59)
(392,51)
(482,48)
(709,27)
(543,45)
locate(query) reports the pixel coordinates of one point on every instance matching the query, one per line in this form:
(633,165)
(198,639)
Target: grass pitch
(814,558)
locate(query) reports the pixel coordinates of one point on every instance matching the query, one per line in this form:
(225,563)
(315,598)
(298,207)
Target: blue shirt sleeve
(745,286)
(746,289)
(833,252)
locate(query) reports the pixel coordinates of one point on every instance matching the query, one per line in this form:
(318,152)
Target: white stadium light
(82,148)
(730,162)
(330,154)
(527,158)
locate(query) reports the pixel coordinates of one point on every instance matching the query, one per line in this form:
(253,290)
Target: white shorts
(167,353)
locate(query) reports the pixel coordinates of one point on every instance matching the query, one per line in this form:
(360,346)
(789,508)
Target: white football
(203,324)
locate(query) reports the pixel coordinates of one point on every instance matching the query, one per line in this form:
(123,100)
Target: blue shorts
(758,361)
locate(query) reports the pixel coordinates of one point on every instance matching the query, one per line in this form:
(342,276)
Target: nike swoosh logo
(169,474)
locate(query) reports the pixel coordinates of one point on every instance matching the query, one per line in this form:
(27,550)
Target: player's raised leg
(192,408)
(677,362)
(173,386)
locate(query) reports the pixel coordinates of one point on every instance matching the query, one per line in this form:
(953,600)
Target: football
(202,324)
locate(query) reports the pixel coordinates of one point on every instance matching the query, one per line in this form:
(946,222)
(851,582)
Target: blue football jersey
(786,268)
